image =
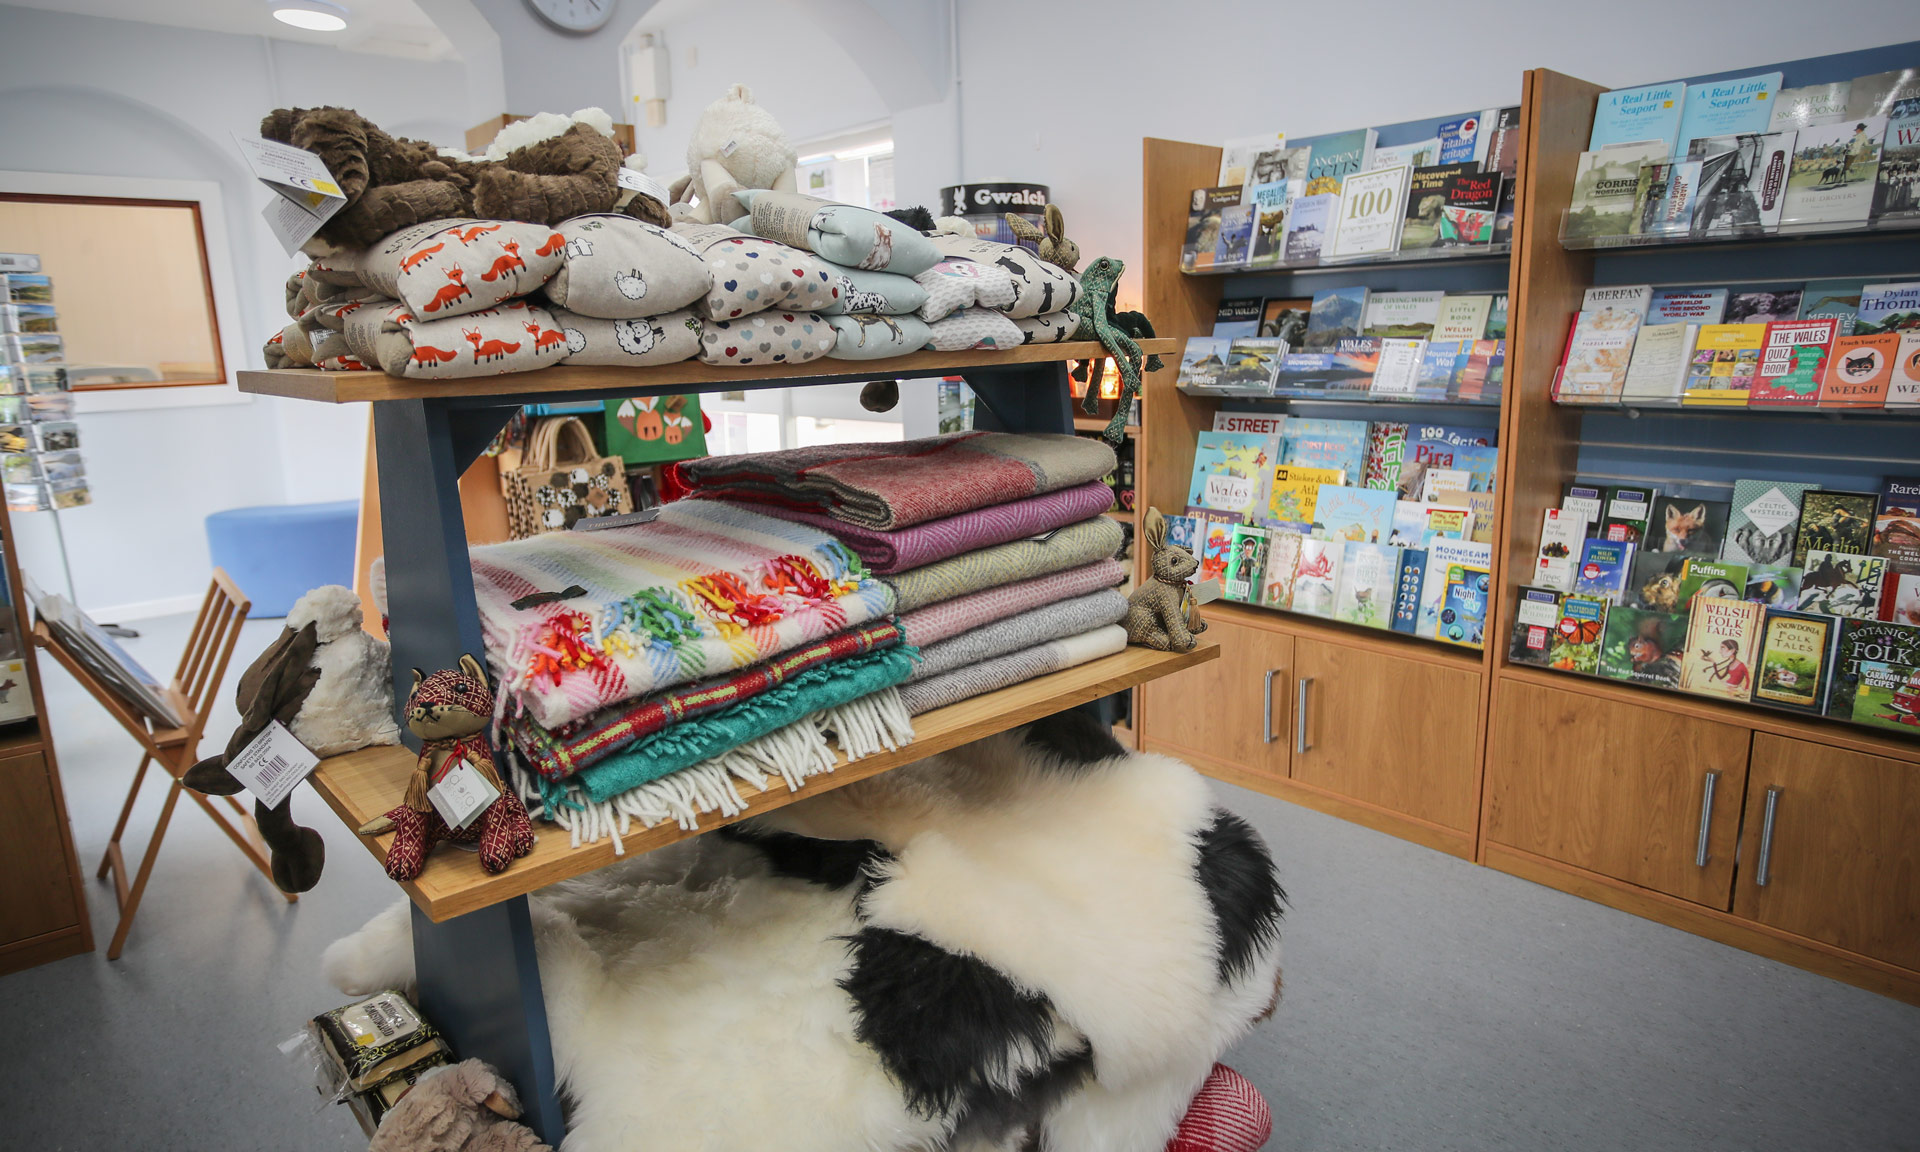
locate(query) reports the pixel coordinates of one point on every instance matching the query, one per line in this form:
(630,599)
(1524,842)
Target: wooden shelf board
(687,376)
(1818,729)
(1099,424)
(1352,635)
(21,737)
(361,785)
(1120,514)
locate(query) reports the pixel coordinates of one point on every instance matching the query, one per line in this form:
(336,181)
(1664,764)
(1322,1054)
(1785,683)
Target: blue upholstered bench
(278,553)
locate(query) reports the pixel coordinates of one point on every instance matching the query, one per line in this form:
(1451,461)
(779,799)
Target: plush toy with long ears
(1051,241)
(736,145)
(1160,613)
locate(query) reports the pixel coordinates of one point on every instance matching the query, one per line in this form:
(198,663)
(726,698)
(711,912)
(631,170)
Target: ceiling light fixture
(311,15)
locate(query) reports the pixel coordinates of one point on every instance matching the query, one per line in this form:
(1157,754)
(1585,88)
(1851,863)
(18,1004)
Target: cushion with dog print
(954,284)
(453,267)
(633,343)
(973,328)
(846,234)
(515,337)
(878,293)
(750,274)
(619,268)
(776,337)
(1039,287)
(865,336)
(1053,328)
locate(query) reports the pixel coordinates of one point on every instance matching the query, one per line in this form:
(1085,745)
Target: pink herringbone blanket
(903,548)
(892,486)
(949,618)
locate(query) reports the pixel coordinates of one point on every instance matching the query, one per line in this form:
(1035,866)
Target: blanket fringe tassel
(865,727)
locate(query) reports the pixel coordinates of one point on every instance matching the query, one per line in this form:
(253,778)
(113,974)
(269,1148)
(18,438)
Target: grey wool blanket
(1050,622)
(1013,668)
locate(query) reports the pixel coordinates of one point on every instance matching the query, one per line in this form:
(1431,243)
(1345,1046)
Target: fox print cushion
(619,268)
(777,337)
(954,284)
(880,293)
(865,336)
(1039,287)
(455,267)
(514,337)
(750,274)
(1053,328)
(633,343)
(845,234)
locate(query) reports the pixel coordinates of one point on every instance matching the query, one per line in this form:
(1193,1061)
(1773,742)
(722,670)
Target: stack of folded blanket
(1000,563)
(796,280)
(642,669)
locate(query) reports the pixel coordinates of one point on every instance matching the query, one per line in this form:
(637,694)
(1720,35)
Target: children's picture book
(1369,574)
(1705,577)
(1860,371)
(1773,586)
(1598,356)
(1401,315)
(1230,471)
(1888,696)
(1409,529)
(1741,183)
(1286,319)
(1386,452)
(1336,313)
(1443,554)
(1888,308)
(1896,193)
(1462,317)
(1721,636)
(1726,357)
(1361,515)
(1253,363)
(1338,156)
(1834,521)
(1836,300)
(1446,521)
(1795,659)
(1603,570)
(1339,444)
(1295,489)
(1182,532)
(1687,306)
(1464,447)
(1283,557)
(1657,373)
(1655,581)
(1536,618)
(1687,524)
(1237,318)
(1642,647)
(1793,361)
(1316,576)
(1903,391)
(1842,584)
(1251,423)
(1372,206)
(1797,108)
(1835,169)
(1625,517)
(1867,641)
(1561,535)
(1652,113)
(1463,606)
(1896,523)
(1576,642)
(1729,107)
(1311,221)
(1246,564)
(1202,362)
(1480,504)
(1764,306)
(1216,551)
(1604,186)
(1763,519)
(1406,595)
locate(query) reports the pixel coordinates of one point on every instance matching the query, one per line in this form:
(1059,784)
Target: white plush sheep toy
(736,144)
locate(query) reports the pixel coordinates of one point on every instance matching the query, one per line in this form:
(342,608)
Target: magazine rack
(473,938)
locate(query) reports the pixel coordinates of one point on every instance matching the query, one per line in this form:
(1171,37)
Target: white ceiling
(384,27)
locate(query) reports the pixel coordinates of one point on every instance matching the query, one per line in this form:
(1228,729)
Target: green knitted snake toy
(1118,333)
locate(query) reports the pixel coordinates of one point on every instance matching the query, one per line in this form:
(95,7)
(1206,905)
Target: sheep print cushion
(619,268)
(635,343)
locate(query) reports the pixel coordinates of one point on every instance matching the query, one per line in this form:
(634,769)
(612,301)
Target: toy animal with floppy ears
(736,144)
(1159,613)
(464,1107)
(328,682)
(450,711)
(1052,243)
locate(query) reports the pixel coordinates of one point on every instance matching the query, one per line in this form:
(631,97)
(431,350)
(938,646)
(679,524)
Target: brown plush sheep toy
(450,711)
(465,1107)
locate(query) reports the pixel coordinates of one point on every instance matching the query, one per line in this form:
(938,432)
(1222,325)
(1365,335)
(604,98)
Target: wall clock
(573,15)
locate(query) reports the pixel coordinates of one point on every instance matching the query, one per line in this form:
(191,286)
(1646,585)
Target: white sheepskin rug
(1035,941)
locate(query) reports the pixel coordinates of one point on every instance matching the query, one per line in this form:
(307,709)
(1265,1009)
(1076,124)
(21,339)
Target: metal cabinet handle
(1763,870)
(1706,820)
(1267,735)
(1300,745)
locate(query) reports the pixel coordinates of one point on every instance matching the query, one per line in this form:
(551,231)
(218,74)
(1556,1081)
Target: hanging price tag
(273,764)
(462,795)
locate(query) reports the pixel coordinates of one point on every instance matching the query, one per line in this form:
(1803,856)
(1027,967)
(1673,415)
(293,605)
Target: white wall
(110,97)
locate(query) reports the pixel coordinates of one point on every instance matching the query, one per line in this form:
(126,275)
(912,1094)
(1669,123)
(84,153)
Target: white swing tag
(273,764)
(462,795)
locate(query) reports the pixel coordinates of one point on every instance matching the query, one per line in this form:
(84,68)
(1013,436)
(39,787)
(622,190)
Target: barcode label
(273,764)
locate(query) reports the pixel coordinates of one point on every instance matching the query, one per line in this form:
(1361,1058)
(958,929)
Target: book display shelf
(1304,707)
(473,942)
(1783,832)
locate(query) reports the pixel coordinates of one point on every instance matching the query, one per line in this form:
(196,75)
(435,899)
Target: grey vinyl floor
(1429,1004)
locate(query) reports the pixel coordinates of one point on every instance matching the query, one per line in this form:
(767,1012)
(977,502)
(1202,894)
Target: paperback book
(1687,306)
(1664,198)
(1237,156)
(1896,193)
(1283,557)
(1436,446)
(1462,317)
(1888,308)
(1406,595)
(1230,470)
(1316,577)
(1721,636)
(1426,196)
(1397,373)
(1842,584)
(1246,564)
(1903,391)
(1440,369)
(1835,169)
(1269,204)
(1836,300)
(1896,524)
(1311,221)
(1603,569)
(1372,207)
(1793,361)
(1797,108)
(1649,113)
(1459,140)
(1340,445)
(1867,641)
(1203,225)
(1255,423)
(1500,132)
(1466,219)
(1900,596)
(1686,524)
(1589,503)
(1834,521)
(1795,659)
(1577,638)
(1605,184)
(1386,452)
(1634,298)
(1711,579)
(1361,515)
(1401,315)
(1561,535)
(1655,581)
(1369,574)
(1216,549)
(1741,184)
(1295,491)
(1236,236)
(1888,696)
(1336,157)
(1463,607)
(1726,357)
(1860,371)
(1657,371)
(1286,320)
(1443,555)
(1420,153)
(1729,107)
(1202,362)
(1642,647)
(1253,365)
(1763,520)
(1598,356)
(1335,313)
(1536,618)
(1773,586)
(1236,318)
(1764,306)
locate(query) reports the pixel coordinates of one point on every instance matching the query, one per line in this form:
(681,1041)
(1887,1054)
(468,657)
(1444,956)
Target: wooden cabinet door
(36,893)
(1616,788)
(1387,731)
(1842,858)
(1231,711)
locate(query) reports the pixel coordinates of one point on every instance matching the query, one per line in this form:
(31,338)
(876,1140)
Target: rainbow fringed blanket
(704,589)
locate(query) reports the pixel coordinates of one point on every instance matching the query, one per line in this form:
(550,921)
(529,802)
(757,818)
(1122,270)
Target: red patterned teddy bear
(449,711)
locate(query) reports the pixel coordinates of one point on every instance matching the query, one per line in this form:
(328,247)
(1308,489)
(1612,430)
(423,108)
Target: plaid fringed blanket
(903,548)
(949,618)
(897,485)
(1096,539)
(706,589)
(1013,668)
(558,755)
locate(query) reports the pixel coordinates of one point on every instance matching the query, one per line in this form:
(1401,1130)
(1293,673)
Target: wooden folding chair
(195,685)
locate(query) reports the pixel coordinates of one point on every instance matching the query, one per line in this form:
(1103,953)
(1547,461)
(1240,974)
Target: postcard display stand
(473,940)
(1376,726)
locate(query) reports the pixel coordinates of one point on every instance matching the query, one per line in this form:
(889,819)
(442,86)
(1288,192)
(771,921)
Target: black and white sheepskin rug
(1036,941)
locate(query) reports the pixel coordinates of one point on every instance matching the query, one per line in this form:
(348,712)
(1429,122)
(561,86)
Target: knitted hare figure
(1157,612)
